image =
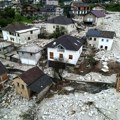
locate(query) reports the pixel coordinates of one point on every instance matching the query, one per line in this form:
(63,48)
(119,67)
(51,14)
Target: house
(100,39)
(5,4)
(32,81)
(29,54)
(6,47)
(3,75)
(30,10)
(99,7)
(60,21)
(66,49)
(51,10)
(52,2)
(95,17)
(79,8)
(20,33)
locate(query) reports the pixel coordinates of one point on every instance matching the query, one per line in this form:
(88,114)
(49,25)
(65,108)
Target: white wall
(50,28)
(66,53)
(26,58)
(51,2)
(22,38)
(98,43)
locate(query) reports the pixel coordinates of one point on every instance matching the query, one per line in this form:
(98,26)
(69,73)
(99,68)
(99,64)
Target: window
(60,56)
(94,39)
(107,40)
(102,39)
(106,47)
(53,26)
(51,55)
(101,46)
(18,34)
(22,86)
(31,54)
(31,32)
(18,84)
(28,38)
(70,57)
(90,38)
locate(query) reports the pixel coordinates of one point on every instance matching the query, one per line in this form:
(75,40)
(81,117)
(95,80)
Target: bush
(113,7)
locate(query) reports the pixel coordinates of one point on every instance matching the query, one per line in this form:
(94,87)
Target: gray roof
(35,79)
(60,20)
(41,83)
(15,27)
(2,69)
(98,13)
(32,48)
(68,42)
(99,33)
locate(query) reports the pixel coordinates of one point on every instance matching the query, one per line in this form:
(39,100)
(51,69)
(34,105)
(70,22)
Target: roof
(98,13)
(2,69)
(68,42)
(60,20)
(48,8)
(31,75)
(99,33)
(16,27)
(35,79)
(32,48)
(78,4)
(41,83)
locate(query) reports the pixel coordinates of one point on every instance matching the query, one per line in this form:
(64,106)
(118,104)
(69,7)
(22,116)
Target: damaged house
(100,39)
(94,17)
(31,82)
(29,54)
(20,33)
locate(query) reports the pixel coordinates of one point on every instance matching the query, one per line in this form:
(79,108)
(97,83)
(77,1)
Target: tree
(58,32)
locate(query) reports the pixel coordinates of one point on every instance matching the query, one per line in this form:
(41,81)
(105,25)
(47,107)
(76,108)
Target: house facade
(59,21)
(65,49)
(32,81)
(52,2)
(51,10)
(79,8)
(100,39)
(95,17)
(20,33)
(29,54)
(3,75)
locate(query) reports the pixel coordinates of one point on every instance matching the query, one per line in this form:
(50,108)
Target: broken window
(101,46)
(18,84)
(51,55)
(22,86)
(70,57)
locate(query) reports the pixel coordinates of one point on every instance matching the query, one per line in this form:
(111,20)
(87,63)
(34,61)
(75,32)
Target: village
(61,68)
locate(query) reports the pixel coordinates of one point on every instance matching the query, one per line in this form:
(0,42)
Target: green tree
(58,32)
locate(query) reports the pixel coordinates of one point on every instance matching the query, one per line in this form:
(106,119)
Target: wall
(66,53)
(51,2)
(42,93)
(50,28)
(99,42)
(22,38)
(89,18)
(27,58)
(26,93)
